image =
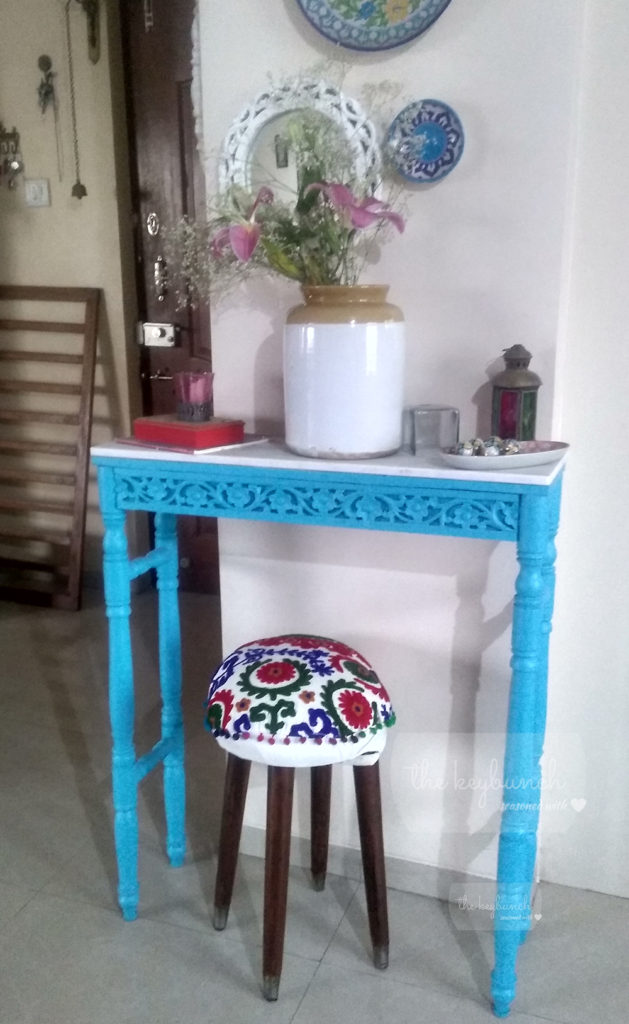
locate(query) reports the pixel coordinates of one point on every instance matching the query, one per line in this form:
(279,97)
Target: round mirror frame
(234,166)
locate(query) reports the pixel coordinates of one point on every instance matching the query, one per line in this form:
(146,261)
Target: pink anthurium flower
(360,213)
(243,239)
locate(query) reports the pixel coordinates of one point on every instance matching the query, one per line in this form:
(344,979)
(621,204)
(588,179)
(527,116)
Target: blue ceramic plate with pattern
(372,24)
(425,141)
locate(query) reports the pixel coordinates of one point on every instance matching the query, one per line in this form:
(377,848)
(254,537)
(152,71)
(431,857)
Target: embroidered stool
(290,702)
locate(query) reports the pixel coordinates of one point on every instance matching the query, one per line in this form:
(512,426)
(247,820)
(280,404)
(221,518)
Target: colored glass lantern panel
(528,416)
(514,413)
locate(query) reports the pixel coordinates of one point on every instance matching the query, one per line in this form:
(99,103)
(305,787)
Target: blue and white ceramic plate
(372,24)
(425,141)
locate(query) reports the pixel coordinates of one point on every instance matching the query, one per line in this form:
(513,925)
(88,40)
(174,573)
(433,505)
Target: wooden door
(167,181)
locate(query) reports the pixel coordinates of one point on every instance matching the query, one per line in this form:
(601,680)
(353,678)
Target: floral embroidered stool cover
(299,701)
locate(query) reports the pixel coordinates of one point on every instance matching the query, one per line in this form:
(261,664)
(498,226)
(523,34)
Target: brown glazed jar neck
(339,303)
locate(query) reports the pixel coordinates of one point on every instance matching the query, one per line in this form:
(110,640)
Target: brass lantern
(514,396)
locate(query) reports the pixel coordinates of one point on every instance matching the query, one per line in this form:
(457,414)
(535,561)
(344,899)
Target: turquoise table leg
(121,699)
(170,680)
(522,771)
(548,575)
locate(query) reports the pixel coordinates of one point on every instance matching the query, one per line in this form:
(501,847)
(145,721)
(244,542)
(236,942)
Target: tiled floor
(66,956)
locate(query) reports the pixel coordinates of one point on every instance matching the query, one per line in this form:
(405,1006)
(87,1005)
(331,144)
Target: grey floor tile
(88,869)
(429,945)
(573,966)
(337,994)
(54,796)
(312,918)
(12,899)
(72,963)
(88,872)
(569,970)
(184,896)
(61,763)
(38,837)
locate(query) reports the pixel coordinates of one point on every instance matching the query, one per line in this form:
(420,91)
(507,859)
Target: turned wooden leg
(320,793)
(279,807)
(235,794)
(367,785)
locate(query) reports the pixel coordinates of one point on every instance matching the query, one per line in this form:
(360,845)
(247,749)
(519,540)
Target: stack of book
(181,435)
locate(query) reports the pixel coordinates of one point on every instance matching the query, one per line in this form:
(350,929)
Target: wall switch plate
(37,191)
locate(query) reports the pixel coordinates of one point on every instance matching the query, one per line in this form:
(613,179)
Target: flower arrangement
(320,234)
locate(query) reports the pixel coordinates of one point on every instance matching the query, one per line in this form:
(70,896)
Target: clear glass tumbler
(434,426)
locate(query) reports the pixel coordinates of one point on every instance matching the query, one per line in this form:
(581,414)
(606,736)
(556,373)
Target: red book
(168,430)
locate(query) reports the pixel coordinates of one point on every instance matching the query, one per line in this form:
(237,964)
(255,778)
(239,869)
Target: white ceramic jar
(344,373)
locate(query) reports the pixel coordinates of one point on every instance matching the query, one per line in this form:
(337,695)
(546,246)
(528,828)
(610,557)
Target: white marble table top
(273,454)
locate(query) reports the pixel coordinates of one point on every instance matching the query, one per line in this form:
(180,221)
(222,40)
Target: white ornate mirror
(249,156)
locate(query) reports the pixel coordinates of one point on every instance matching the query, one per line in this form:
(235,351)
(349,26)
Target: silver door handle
(160,277)
(160,375)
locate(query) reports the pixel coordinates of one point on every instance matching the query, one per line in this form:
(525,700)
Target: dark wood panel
(24,535)
(38,416)
(41,387)
(38,357)
(16,506)
(11,447)
(20,476)
(50,326)
(44,293)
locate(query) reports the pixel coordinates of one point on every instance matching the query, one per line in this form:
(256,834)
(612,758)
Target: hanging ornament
(46,88)
(91,8)
(47,97)
(78,189)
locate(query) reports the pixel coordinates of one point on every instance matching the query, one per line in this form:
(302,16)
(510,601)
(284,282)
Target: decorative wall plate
(372,24)
(532,453)
(425,141)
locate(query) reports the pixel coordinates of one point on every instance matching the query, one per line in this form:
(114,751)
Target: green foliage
(279,259)
(303,236)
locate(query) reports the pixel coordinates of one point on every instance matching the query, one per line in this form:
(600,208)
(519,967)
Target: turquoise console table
(402,493)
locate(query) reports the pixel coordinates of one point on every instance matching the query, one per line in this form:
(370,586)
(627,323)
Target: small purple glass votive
(193,389)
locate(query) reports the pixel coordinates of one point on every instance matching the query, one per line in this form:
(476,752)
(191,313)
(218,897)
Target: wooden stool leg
(320,793)
(367,786)
(235,794)
(279,808)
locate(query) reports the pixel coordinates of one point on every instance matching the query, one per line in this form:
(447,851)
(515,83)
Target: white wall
(589,696)
(519,244)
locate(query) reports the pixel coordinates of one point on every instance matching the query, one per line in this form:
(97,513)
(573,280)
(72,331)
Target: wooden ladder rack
(47,370)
